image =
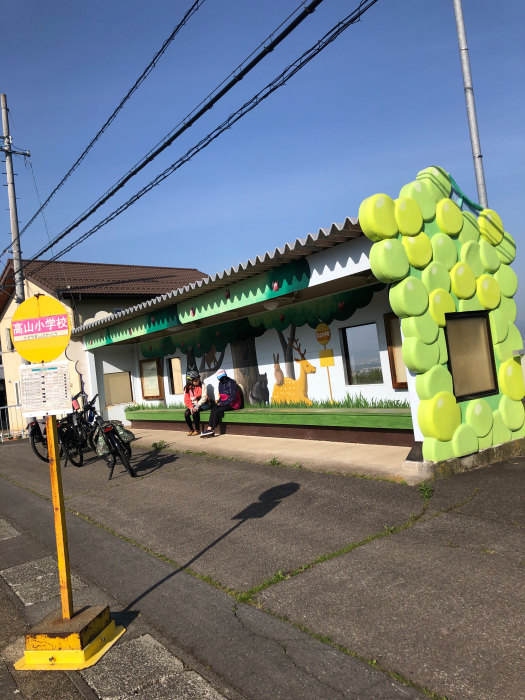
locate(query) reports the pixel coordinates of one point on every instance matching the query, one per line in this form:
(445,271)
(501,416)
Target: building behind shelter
(89,291)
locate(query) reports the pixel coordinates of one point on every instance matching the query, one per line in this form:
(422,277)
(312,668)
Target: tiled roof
(102,279)
(300,248)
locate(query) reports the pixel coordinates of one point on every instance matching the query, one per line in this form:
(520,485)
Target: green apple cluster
(439,259)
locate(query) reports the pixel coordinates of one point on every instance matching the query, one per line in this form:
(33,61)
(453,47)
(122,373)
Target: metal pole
(17,258)
(471,107)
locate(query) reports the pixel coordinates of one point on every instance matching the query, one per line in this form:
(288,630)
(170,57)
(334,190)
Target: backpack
(237,401)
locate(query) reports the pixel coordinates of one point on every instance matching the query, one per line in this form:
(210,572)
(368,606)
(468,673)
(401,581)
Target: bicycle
(111,445)
(70,446)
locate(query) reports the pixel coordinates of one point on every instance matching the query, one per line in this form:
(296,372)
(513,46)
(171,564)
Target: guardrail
(12,423)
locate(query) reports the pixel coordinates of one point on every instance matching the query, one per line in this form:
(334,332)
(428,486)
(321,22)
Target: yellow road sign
(40,329)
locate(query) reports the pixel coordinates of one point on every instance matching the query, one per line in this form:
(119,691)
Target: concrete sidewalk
(382,461)
(272,582)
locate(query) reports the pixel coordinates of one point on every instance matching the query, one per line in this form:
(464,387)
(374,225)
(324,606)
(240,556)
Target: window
(361,349)
(394,342)
(117,388)
(175,375)
(470,354)
(151,378)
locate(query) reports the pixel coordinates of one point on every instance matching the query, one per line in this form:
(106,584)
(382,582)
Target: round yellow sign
(40,329)
(323,334)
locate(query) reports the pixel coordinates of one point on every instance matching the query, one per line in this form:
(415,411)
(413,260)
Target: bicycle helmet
(192,374)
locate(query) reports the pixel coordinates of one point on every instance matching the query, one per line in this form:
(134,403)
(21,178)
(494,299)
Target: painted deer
(295,390)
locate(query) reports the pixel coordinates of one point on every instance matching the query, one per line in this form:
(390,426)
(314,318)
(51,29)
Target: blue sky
(381,103)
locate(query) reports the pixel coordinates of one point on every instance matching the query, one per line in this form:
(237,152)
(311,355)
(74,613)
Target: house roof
(98,279)
(300,248)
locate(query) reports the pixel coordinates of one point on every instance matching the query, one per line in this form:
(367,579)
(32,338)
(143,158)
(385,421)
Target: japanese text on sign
(43,327)
(45,389)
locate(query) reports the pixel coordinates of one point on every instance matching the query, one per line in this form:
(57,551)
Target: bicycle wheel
(74,454)
(72,447)
(124,457)
(38,444)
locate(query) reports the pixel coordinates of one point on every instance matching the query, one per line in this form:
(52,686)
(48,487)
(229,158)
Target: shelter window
(117,388)
(470,354)
(151,379)
(394,342)
(175,375)
(361,351)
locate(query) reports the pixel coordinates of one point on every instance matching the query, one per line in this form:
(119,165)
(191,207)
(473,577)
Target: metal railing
(12,423)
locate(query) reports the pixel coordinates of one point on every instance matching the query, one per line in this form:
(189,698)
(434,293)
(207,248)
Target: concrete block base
(59,644)
(422,471)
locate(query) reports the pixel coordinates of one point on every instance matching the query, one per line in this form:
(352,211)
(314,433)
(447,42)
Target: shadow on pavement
(151,462)
(265,503)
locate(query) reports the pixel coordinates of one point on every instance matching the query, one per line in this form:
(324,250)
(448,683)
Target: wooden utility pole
(15,236)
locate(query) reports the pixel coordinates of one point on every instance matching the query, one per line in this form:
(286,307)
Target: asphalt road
(248,580)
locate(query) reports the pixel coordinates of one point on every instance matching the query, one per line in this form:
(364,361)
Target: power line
(121,104)
(247,107)
(28,161)
(188,121)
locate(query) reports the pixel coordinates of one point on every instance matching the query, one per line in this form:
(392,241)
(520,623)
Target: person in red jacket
(229,400)
(195,400)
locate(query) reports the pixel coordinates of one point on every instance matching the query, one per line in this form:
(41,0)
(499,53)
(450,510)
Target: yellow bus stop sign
(40,329)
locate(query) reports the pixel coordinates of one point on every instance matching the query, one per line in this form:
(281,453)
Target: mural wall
(440,260)
(292,355)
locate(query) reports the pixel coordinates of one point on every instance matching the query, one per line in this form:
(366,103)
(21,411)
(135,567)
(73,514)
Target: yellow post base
(58,644)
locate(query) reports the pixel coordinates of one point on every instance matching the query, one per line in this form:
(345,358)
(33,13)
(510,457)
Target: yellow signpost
(65,640)
(323,335)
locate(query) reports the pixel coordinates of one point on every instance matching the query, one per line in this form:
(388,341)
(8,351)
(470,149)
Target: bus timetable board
(45,389)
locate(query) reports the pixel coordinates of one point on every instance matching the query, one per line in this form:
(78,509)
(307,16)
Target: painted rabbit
(278,373)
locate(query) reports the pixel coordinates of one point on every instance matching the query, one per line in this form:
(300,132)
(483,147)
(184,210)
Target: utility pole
(15,237)
(471,107)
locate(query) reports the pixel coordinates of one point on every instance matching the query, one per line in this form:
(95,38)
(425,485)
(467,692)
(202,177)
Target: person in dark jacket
(229,400)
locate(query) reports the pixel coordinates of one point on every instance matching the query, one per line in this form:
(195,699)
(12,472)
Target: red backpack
(237,401)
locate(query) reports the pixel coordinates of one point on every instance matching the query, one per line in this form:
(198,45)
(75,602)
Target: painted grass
(350,401)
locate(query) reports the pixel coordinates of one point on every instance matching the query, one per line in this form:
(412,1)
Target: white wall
(340,261)
(116,358)
(318,387)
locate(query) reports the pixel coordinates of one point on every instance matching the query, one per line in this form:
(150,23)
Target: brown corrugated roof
(100,279)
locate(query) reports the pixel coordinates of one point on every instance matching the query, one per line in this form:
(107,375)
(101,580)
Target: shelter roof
(300,248)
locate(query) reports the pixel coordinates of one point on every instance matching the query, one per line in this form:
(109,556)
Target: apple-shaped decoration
(218,334)
(341,305)
(182,344)
(281,318)
(275,286)
(192,311)
(227,294)
(198,346)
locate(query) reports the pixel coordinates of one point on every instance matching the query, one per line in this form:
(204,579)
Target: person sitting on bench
(229,400)
(196,400)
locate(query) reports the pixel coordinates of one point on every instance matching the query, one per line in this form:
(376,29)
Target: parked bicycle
(109,439)
(84,429)
(112,442)
(70,445)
